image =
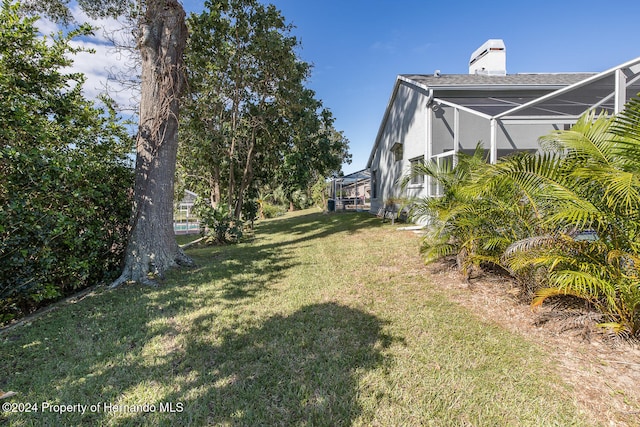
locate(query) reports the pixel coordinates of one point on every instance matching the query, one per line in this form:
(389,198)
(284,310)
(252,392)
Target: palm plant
(591,180)
(473,228)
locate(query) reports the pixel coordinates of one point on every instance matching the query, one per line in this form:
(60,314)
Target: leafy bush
(301,200)
(217,224)
(273,211)
(64,205)
(526,214)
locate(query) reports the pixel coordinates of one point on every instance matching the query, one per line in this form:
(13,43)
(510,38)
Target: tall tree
(161,40)
(152,247)
(249,110)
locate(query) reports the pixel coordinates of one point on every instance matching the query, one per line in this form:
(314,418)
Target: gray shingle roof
(467,80)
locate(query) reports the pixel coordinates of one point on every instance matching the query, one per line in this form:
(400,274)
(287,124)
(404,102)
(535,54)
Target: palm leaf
(585,285)
(589,139)
(542,294)
(530,243)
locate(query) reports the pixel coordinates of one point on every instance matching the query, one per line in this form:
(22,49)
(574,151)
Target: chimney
(489,59)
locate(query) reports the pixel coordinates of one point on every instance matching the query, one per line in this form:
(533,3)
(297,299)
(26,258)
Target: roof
(361,175)
(512,81)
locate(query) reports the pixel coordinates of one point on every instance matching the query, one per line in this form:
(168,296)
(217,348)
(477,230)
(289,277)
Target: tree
(316,150)
(64,202)
(152,247)
(161,40)
(250,118)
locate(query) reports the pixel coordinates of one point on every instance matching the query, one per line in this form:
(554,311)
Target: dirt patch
(604,373)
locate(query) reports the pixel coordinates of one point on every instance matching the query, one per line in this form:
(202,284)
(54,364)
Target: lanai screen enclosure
(430,117)
(351,192)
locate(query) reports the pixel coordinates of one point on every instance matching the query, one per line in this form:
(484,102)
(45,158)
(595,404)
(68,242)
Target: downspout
(620,91)
(428,139)
(456,135)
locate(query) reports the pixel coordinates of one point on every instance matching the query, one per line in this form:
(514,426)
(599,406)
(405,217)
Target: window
(416,179)
(398,151)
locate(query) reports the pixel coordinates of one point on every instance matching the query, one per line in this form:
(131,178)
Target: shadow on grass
(246,269)
(300,369)
(291,370)
(317,225)
(294,369)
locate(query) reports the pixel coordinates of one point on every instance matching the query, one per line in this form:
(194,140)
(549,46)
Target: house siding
(404,124)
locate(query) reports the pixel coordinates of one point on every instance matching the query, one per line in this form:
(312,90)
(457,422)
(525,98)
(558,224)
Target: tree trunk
(214,185)
(152,248)
(247,176)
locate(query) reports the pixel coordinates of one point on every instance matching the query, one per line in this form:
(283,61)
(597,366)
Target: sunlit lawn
(318,320)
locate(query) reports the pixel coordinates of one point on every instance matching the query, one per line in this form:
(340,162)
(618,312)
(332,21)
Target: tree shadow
(266,260)
(291,370)
(302,368)
(317,225)
(299,369)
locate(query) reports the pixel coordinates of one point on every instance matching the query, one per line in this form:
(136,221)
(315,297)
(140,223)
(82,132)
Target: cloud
(106,62)
(98,67)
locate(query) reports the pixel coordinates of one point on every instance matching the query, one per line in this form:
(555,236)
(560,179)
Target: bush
(64,205)
(62,230)
(301,200)
(217,224)
(273,211)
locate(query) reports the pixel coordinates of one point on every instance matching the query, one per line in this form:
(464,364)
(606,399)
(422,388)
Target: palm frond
(585,285)
(589,139)
(627,123)
(542,294)
(530,243)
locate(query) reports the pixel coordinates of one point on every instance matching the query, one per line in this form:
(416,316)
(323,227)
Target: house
(184,220)
(435,116)
(351,192)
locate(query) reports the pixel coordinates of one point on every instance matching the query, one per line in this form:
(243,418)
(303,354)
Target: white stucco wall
(405,124)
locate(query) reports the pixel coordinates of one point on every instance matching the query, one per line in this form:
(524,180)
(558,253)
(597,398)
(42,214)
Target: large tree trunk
(152,247)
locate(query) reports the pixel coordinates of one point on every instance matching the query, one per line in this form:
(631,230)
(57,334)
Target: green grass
(319,320)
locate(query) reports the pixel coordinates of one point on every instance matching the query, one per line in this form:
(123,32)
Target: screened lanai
(506,113)
(351,192)
(432,117)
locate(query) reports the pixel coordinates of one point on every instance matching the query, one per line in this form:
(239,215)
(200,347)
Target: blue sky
(358,47)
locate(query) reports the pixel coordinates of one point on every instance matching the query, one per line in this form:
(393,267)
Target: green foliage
(64,207)
(301,199)
(320,192)
(249,120)
(272,211)
(526,214)
(476,229)
(217,224)
(592,184)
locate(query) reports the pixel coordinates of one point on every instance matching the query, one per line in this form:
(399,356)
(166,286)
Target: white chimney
(489,59)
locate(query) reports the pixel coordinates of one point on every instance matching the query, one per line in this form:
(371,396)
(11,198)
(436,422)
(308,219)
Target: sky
(358,47)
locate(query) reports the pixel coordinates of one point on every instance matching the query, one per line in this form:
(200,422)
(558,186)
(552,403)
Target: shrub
(217,224)
(64,205)
(273,211)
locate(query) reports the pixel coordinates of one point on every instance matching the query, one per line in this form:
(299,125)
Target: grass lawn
(319,320)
